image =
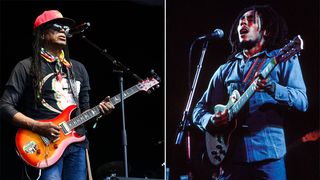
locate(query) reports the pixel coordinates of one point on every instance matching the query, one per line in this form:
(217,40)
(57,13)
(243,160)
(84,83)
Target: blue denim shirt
(265,138)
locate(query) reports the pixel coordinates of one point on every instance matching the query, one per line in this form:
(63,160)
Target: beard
(247,44)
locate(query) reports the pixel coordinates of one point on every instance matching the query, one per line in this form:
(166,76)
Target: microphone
(77,29)
(217,33)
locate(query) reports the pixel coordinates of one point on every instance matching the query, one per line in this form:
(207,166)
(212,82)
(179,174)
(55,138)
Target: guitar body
(217,144)
(40,152)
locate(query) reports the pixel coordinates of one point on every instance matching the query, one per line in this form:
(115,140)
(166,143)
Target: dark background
(133,33)
(187,20)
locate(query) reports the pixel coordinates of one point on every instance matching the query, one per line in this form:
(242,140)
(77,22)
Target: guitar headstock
(293,47)
(148,84)
(311,136)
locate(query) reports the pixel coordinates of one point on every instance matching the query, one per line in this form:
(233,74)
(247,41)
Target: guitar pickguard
(217,144)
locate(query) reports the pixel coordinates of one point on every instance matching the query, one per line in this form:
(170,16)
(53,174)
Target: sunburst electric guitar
(217,144)
(39,152)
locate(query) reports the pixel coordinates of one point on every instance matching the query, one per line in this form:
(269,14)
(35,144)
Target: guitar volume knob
(55,146)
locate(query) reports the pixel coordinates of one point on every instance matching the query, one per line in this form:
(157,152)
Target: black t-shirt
(56,94)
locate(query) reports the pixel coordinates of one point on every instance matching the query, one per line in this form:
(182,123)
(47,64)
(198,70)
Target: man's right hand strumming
(220,118)
(47,129)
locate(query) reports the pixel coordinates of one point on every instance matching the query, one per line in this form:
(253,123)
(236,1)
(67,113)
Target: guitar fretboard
(251,89)
(95,111)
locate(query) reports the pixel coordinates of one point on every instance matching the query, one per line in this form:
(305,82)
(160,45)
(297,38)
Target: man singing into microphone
(42,86)
(257,146)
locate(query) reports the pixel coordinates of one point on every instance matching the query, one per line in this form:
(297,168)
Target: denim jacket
(263,117)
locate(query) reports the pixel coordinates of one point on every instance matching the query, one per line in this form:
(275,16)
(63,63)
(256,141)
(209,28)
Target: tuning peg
(154,74)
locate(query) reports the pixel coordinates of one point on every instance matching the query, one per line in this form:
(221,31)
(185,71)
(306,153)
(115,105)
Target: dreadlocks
(35,70)
(271,21)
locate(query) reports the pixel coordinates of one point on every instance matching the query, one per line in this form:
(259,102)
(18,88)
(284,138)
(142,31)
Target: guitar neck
(251,89)
(95,111)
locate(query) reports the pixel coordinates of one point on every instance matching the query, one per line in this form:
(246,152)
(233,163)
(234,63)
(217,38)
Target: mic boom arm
(114,61)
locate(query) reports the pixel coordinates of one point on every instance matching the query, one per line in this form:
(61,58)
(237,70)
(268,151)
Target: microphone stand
(184,126)
(112,59)
(123,69)
(124,133)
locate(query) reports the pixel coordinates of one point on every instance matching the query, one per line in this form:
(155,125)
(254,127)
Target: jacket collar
(264,52)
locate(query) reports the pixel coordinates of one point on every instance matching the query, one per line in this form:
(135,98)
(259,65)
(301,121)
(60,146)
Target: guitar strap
(73,88)
(249,78)
(253,72)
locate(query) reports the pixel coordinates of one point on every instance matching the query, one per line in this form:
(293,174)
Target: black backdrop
(187,20)
(133,33)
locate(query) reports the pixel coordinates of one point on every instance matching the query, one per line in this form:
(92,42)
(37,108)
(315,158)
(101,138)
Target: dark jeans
(71,166)
(267,169)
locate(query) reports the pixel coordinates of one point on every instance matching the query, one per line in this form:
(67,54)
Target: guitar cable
(96,123)
(26,171)
(25,168)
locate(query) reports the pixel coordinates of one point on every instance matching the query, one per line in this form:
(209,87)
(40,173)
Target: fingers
(103,108)
(107,99)
(54,136)
(233,98)
(261,84)
(54,131)
(221,118)
(106,106)
(54,127)
(224,116)
(48,129)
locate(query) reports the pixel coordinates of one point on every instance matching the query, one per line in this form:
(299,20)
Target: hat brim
(64,21)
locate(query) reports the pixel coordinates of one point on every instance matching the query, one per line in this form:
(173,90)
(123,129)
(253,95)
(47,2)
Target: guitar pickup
(65,128)
(30,147)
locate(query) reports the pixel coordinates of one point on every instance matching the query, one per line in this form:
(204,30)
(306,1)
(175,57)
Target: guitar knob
(219,147)
(214,152)
(55,146)
(38,151)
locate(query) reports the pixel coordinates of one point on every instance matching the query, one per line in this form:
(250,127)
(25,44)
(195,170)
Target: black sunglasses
(58,27)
